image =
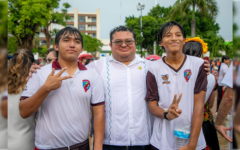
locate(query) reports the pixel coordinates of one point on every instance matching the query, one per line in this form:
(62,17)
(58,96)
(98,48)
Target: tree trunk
(193,28)
(47,35)
(18,42)
(30,44)
(193,24)
(24,43)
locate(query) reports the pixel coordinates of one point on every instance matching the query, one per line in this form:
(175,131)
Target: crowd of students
(136,104)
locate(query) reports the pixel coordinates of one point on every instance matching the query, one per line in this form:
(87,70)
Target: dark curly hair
(121,28)
(18,70)
(193,48)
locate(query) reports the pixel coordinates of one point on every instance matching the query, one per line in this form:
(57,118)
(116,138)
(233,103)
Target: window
(71,19)
(70,25)
(81,19)
(55,26)
(42,35)
(94,28)
(81,27)
(94,19)
(94,35)
(43,42)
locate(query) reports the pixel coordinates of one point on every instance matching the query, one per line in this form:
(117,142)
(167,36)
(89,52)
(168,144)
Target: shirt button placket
(131,130)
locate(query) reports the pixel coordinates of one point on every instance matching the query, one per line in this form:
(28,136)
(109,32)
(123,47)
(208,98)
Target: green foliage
(12,45)
(91,44)
(26,16)
(3,24)
(42,51)
(204,7)
(217,43)
(159,15)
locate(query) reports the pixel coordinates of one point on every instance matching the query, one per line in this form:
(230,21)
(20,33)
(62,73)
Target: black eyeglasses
(119,43)
(49,60)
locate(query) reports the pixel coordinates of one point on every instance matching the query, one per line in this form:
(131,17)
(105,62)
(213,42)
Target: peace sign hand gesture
(173,110)
(54,82)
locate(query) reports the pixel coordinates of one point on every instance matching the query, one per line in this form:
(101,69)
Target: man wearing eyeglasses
(127,119)
(52,55)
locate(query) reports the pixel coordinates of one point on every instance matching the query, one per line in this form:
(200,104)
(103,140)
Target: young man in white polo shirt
(176,74)
(63,92)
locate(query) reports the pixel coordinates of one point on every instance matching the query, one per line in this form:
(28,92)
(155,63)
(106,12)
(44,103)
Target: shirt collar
(57,66)
(137,58)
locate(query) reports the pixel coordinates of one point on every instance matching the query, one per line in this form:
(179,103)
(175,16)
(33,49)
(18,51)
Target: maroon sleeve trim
(201,82)
(152,88)
(101,103)
(23,98)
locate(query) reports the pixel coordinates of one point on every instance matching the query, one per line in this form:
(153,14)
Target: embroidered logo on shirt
(165,78)
(187,74)
(139,67)
(25,88)
(86,85)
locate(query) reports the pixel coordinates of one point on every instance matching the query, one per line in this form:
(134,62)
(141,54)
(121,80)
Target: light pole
(141,6)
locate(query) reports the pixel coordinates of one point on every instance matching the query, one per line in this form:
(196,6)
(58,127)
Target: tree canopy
(158,15)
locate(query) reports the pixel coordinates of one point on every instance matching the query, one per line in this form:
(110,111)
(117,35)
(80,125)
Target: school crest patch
(187,74)
(165,79)
(86,85)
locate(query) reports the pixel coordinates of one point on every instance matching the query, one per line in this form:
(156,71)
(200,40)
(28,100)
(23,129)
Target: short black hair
(225,57)
(121,28)
(193,48)
(52,50)
(167,27)
(68,30)
(88,60)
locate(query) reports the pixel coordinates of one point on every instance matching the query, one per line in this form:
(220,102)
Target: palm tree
(204,6)
(215,43)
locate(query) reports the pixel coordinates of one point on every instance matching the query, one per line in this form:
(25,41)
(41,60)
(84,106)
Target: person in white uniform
(222,71)
(63,92)
(21,132)
(181,75)
(196,47)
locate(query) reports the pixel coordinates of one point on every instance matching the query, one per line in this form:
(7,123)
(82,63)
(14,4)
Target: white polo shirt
(210,86)
(228,78)
(127,119)
(223,70)
(64,116)
(163,82)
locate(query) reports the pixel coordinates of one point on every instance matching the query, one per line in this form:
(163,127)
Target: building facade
(88,23)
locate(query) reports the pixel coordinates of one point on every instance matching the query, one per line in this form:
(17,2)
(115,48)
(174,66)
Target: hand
(223,88)
(223,131)
(54,82)
(187,148)
(207,67)
(173,111)
(33,70)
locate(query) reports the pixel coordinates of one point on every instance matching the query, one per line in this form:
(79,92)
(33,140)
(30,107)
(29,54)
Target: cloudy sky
(113,12)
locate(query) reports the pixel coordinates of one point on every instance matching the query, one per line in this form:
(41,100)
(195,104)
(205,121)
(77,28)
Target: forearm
(212,98)
(4,108)
(197,118)
(225,106)
(156,110)
(196,126)
(99,126)
(30,105)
